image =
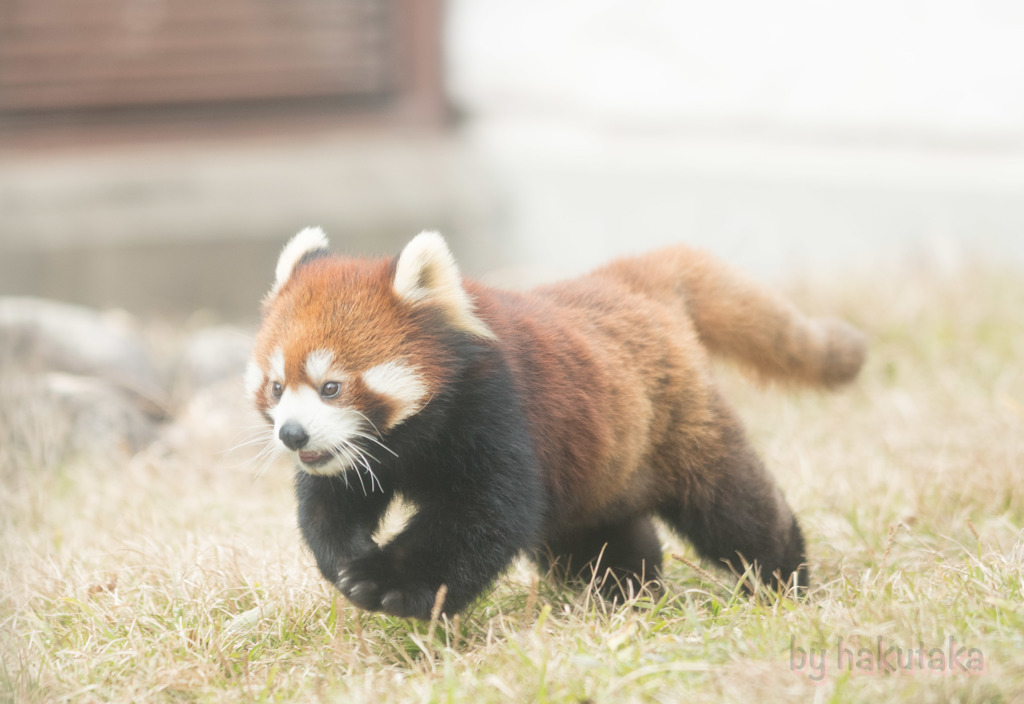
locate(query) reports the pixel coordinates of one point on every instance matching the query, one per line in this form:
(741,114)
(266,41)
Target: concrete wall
(782,135)
(178,227)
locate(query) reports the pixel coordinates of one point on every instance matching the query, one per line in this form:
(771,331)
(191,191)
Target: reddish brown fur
(621,398)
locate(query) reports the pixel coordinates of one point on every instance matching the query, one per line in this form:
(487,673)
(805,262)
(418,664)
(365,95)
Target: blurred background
(155,155)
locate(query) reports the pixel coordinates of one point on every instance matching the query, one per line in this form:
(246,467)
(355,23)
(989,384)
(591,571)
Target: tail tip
(845,352)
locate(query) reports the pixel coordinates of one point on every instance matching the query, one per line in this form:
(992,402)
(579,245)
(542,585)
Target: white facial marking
(277,365)
(318,366)
(253,379)
(311,239)
(330,429)
(401,384)
(302,405)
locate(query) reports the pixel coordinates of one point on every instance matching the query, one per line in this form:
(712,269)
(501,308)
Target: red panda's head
(350,348)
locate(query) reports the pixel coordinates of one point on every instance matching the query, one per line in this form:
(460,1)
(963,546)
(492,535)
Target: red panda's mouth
(314,458)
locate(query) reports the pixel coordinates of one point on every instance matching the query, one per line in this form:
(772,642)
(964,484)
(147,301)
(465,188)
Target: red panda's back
(605,376)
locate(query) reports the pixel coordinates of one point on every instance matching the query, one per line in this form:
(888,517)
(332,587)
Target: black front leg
(463,545)
(337,521)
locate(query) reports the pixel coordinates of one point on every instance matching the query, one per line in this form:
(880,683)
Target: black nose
(293,436)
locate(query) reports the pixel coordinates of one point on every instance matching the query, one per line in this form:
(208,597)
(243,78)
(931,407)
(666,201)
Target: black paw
(373,584)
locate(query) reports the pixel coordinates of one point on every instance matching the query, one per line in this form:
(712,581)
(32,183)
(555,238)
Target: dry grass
(179,577)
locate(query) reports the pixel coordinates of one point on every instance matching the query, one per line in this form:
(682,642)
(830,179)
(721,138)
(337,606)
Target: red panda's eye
(276,389)
(330,389)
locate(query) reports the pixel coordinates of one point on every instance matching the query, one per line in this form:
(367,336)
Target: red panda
(554,423)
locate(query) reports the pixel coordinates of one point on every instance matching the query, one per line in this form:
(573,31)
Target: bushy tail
(738,319)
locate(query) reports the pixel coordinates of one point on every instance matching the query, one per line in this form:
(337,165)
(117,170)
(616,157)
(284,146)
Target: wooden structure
(99,66)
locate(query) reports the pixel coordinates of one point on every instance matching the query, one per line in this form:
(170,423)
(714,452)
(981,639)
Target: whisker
(360,478)
(247,443)
(363,454)
(362,457)
(261,458)
(249,437)
(265,462)
(363,460)
(374,440)
(373,478)
(336,453)
(351,459)
(431,398)
(367,419)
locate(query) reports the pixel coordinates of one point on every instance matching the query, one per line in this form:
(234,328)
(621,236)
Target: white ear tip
(426,270)
(314,237)
(424,262)
(310,239)
(429,242)
(432,237)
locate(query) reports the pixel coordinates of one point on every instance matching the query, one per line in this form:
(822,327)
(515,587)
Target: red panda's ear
(309,241)
(426,272)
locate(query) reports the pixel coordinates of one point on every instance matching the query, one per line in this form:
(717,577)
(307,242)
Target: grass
(175,575)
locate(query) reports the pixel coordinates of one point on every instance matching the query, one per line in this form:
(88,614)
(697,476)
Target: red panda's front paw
(409,601)
(371,583)
(364,593)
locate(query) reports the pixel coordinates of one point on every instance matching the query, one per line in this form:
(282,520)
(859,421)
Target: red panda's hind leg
(622,558)
(738,515)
